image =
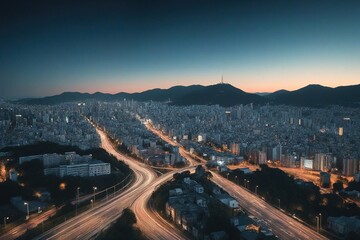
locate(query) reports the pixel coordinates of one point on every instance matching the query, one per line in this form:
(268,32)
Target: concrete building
(357,177)
(13,175)
(262,157)
(344,225)
(98,168)
(324,179)
(350,167)
(95,168)
(29,158)
(306,163)
(235,148)
(322,162)
(81,170)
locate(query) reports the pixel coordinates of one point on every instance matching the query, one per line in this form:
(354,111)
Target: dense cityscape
(312,149)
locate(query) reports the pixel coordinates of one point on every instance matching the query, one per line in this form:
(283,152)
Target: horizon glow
(133,47)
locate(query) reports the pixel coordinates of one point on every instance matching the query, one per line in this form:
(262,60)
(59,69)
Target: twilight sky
(48,47)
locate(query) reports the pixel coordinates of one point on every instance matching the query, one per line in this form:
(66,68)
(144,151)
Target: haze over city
(131,46)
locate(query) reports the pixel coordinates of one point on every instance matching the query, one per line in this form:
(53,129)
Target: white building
(229,201)
(306,163)
(81,170)
(99,168)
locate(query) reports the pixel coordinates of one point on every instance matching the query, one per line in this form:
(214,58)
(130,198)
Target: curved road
(90,223)
(149,221)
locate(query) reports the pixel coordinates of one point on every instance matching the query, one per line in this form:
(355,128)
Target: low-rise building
(228,200)
(13,175)
(344,225)
(324,179)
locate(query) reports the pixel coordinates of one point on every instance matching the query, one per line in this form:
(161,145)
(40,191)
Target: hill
(318,96)
(222,94)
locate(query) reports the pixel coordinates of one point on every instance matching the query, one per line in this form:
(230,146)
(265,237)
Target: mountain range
(222,94)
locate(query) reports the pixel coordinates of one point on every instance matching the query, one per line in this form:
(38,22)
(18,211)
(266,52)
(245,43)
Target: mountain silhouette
(318,96)
(219,94)
(222,94)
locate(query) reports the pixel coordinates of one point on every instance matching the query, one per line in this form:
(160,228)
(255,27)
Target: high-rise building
(322,162)
(262,157)
(235,148)
(276,152)
(292,161)
(350,166)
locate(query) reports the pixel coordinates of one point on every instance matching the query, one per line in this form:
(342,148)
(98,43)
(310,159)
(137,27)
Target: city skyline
(128,46)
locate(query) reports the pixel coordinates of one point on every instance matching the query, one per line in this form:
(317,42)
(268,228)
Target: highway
(149,221)
(33,221)
(282,225)
(90,223)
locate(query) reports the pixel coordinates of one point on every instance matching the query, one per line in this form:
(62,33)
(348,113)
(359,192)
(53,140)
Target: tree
(338,186)
(208,175)
(128,217)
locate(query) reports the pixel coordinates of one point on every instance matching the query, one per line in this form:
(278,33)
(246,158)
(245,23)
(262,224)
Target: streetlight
(279,202)
(77,200)
(27,208)
(92,203)
(236,179)
(227,175)
(256,187)
(94,188)
(5,218)
(317,223)
(320,217)
(78,195)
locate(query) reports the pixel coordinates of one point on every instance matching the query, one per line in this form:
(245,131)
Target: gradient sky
(48,47)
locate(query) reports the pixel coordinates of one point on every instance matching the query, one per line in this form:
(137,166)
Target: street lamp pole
(5,218)
(317,223)
(94,188)
(77,200)
(77,194)
(27,209)
(279,202)
(320,218)
(92,203)
(256,189)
